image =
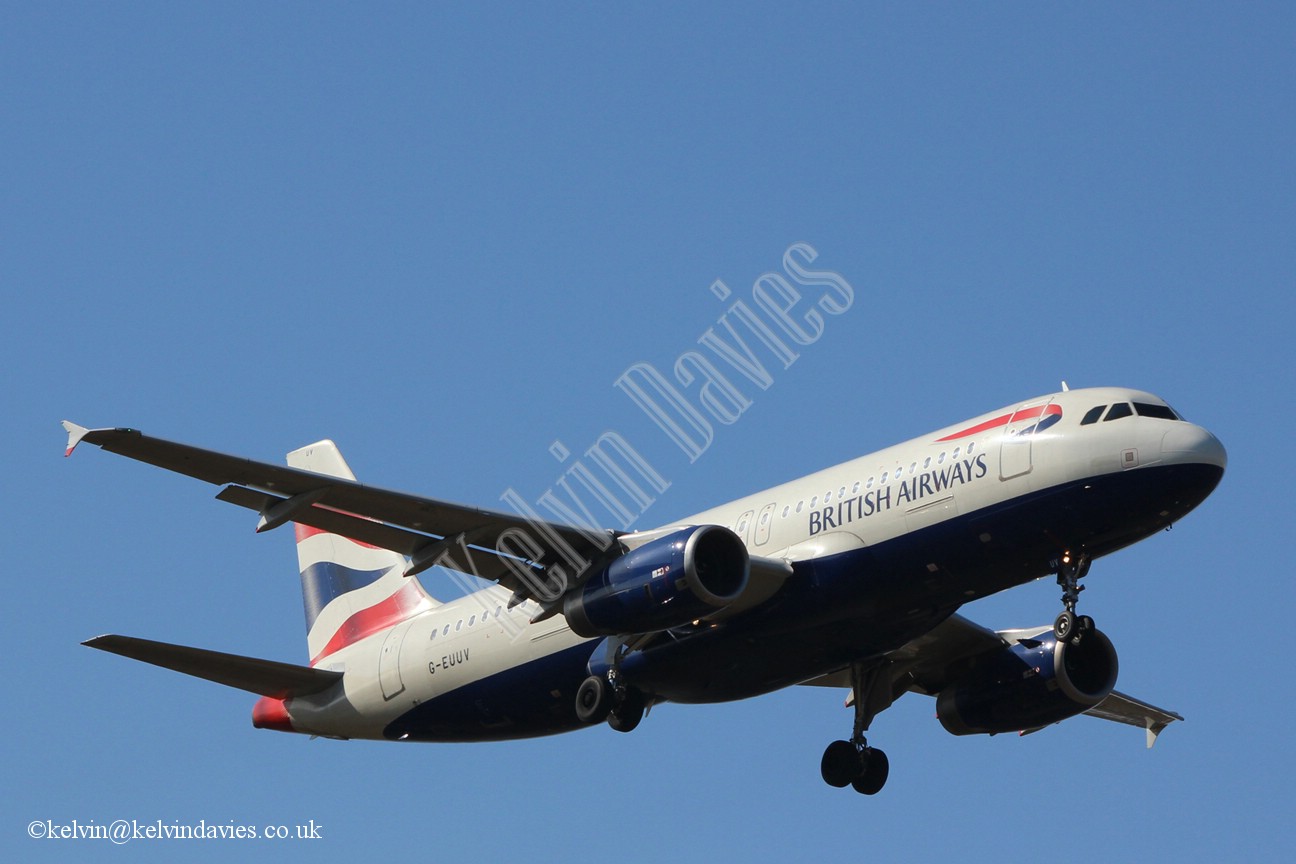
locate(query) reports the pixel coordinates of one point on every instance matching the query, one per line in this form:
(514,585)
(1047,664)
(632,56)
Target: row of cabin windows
(472,621)
(1123,409)
(899,472)
(1115,412)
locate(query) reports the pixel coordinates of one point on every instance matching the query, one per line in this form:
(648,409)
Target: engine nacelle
(664,583)
(1032,684)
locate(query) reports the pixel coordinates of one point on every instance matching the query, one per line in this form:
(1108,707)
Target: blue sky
(439,235)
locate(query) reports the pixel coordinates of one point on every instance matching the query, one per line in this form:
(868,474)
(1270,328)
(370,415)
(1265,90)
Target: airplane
(850,577)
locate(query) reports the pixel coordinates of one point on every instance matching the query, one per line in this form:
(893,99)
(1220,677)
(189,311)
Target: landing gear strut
(1069,626)
(853,763)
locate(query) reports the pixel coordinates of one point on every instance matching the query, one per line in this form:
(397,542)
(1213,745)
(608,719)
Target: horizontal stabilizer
(265,677)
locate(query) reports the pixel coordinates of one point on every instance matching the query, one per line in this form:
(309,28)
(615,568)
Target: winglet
(75,434)
(1153,730)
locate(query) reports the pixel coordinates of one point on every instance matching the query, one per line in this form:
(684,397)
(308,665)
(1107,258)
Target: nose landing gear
(1069,626)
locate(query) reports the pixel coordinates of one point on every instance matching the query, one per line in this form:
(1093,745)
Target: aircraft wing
(1131,711)
(535,558)
(934,660)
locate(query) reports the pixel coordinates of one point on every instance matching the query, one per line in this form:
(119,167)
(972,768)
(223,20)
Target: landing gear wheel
(1065,626)
(840,764)
(875,768)
(628,711)
(593,700)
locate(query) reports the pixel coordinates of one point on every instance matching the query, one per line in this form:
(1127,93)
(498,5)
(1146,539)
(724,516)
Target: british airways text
(880,500)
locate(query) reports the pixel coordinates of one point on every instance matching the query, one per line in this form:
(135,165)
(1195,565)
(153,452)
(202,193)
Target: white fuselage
(964,468)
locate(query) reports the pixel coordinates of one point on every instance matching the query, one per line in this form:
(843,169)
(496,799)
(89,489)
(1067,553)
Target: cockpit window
(1147,409)
(1119,410)
(1092,415)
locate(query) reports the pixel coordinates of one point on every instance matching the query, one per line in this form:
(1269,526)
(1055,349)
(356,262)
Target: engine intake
(1031,684)
(665,583)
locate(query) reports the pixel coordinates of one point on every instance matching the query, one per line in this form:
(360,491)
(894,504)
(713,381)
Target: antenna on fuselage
(1065,388)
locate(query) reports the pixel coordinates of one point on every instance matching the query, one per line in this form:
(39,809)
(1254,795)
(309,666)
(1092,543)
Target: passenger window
(1119,410)
(1093,415)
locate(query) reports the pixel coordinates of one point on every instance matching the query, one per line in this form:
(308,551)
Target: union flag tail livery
(850,577)
(350,589)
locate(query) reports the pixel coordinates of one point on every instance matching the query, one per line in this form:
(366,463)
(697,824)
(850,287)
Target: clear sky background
(439,235)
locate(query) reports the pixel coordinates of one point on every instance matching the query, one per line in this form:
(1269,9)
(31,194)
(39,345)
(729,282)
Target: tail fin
(349,589)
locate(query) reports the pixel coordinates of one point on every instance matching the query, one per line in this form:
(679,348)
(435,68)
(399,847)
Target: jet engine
(667,582)
(1031,684)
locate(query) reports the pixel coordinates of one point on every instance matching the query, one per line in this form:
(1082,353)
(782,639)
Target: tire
(840,764)
(593,700)
(877,767)
(1065,626)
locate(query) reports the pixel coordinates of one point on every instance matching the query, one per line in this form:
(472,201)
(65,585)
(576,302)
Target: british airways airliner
(850,577)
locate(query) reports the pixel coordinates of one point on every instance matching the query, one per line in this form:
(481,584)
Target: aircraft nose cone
(1189,443)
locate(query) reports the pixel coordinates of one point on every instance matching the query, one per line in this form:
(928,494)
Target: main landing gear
(1069,626)
(853,763)
(599,698)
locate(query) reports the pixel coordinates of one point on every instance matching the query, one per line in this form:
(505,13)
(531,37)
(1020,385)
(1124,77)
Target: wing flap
(368,531)
(425,550)
(264,677)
